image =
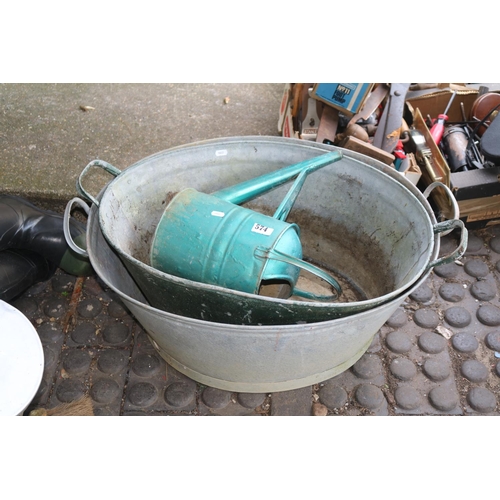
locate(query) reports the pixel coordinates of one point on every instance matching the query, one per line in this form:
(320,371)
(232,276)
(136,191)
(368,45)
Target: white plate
(21,361)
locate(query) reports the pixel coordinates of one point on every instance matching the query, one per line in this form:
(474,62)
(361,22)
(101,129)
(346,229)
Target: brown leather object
(481,107)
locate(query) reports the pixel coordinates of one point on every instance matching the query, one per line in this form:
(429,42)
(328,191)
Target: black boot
(21,269)
(26,227)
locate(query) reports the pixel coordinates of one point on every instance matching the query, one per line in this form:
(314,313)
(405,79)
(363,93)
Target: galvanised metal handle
(456,210)
(448,226)
(66,231)
(272,253)
(95,163)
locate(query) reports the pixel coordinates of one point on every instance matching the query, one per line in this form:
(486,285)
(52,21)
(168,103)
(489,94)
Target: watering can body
(210,238)
(217,242)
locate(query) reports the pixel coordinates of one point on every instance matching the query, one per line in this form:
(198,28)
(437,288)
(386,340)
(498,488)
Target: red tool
(438,128)
(399,154)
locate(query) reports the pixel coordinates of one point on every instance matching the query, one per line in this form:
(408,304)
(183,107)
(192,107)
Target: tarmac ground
(438,355)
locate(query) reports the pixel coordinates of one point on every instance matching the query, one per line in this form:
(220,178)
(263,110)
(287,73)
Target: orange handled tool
(437,129)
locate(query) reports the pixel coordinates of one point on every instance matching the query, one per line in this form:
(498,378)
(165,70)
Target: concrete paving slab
(49,132)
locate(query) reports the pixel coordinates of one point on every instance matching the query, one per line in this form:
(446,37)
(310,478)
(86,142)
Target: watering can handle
(287,203)
(448,226)
(95,163)
(277,255)
(66,231)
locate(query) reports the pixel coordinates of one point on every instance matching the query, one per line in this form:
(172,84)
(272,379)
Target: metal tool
(421,149)
(389,126)
(437,128)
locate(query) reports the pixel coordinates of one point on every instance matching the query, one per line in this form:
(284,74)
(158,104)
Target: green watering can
(209,238)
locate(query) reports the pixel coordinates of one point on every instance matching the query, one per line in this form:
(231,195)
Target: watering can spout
(248,190)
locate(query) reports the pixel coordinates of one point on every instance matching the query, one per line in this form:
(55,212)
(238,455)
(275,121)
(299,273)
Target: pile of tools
(382,120)
(367,118)
(473,142)
(427,132)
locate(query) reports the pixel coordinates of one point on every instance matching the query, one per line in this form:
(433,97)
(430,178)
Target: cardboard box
(433,102)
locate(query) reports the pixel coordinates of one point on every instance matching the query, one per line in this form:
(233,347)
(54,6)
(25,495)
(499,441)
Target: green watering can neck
(248,190)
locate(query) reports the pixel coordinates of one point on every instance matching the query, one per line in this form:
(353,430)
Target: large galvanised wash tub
(360,220)
(276,356)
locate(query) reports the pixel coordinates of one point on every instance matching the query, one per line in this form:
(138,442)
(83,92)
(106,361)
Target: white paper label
(259,228)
